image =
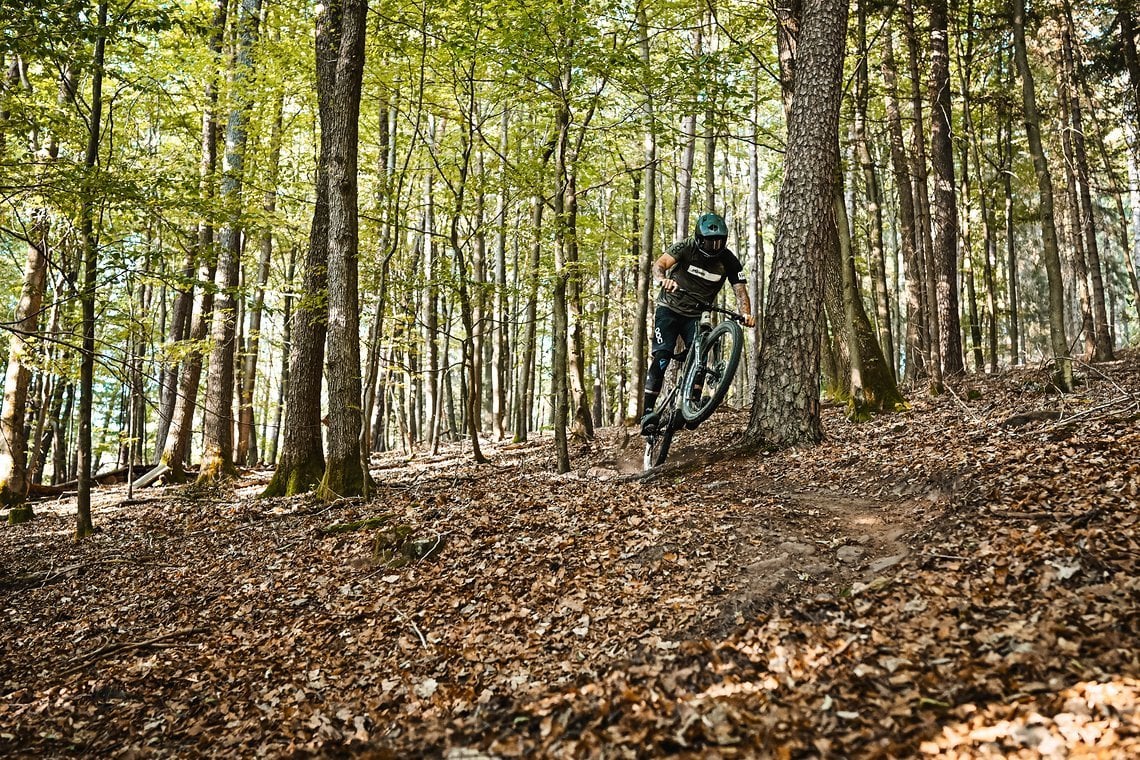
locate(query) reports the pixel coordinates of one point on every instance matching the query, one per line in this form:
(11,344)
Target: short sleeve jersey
(699,277)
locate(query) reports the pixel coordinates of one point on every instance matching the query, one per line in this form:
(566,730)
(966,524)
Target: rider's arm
(744,303)
(661,267)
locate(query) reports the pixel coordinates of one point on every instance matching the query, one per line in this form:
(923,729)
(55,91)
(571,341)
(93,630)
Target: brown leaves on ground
(957,581)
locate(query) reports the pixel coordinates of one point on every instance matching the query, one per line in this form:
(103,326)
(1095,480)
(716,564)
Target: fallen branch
(50,576)
(90,657)
(351,527)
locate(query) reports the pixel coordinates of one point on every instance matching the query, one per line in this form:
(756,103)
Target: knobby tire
(720,356)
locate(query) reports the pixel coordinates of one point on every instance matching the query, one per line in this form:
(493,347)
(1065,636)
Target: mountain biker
(691,273)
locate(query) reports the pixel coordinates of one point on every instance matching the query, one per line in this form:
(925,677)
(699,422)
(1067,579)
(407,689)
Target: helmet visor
(711,245)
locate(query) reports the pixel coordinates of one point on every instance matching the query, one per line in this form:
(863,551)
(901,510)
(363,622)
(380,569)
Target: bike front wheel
(706,383)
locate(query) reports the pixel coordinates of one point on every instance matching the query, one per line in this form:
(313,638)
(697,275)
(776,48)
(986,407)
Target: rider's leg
(666,327)
(654,378)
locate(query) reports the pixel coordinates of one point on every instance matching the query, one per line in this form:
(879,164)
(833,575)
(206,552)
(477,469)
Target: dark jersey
(699,277)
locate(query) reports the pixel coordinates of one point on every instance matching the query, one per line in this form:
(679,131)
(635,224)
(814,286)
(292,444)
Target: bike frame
(672,412)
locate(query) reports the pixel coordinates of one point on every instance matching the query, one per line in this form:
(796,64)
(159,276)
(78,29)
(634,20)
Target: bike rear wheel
(706,383)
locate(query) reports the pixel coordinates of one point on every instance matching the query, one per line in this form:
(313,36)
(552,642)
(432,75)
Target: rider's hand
(669,285)
(749,320)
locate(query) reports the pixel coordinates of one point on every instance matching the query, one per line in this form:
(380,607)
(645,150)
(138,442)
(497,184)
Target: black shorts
(668,325)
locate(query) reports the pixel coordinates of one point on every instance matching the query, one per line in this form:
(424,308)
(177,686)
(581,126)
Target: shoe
(649,424)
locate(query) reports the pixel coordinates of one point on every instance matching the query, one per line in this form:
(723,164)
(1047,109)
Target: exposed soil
(722,606)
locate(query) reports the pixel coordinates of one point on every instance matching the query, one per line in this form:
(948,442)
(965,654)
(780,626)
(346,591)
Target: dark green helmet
(711,234)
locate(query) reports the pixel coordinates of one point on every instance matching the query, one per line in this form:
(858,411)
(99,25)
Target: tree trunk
(21,345)
(342,29)
(877,261)
(1005,169)
(924,243)
(218,422)
(1074,77)
(945,203)
(178,332)
(786,409)
(907,232)
(302,461)
(1052,259)
(500,350)
(247,453)
(90,246)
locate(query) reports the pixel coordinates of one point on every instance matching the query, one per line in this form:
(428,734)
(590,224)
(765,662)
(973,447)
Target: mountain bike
(700,385)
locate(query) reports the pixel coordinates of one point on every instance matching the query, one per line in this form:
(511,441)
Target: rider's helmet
(711,234)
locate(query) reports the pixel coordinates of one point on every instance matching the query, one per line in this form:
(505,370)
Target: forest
(350,304)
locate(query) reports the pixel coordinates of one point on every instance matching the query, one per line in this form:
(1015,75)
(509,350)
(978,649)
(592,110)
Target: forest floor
(960,580)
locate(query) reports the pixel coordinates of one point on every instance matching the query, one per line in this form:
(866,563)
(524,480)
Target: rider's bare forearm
(661,267)
(743,302)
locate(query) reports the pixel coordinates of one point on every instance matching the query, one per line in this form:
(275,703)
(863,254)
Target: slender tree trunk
(1102,339)
(1005,170)
(907,233)
(468,310)
(945,202)
(877,260)
(178,332)
(90,246)
(644,246)
(176,446)
(1076,244)
(218,422)
(500,351)
(247,453)
(924,243)
(525,385)
(286,351)
(1050,254)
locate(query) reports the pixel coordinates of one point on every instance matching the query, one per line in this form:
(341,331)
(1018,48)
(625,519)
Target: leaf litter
(960,580)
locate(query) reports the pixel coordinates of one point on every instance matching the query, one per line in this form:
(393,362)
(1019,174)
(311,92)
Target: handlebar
(713,308)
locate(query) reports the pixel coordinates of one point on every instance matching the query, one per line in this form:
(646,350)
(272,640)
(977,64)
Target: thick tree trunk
(1049,253)
(302,462)
(343,27)
(786,409)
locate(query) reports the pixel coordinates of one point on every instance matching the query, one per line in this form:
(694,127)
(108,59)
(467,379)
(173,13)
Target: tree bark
(218,422)
(786,407)
(945,202)
(343,27)
(14,479)
(90,246)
